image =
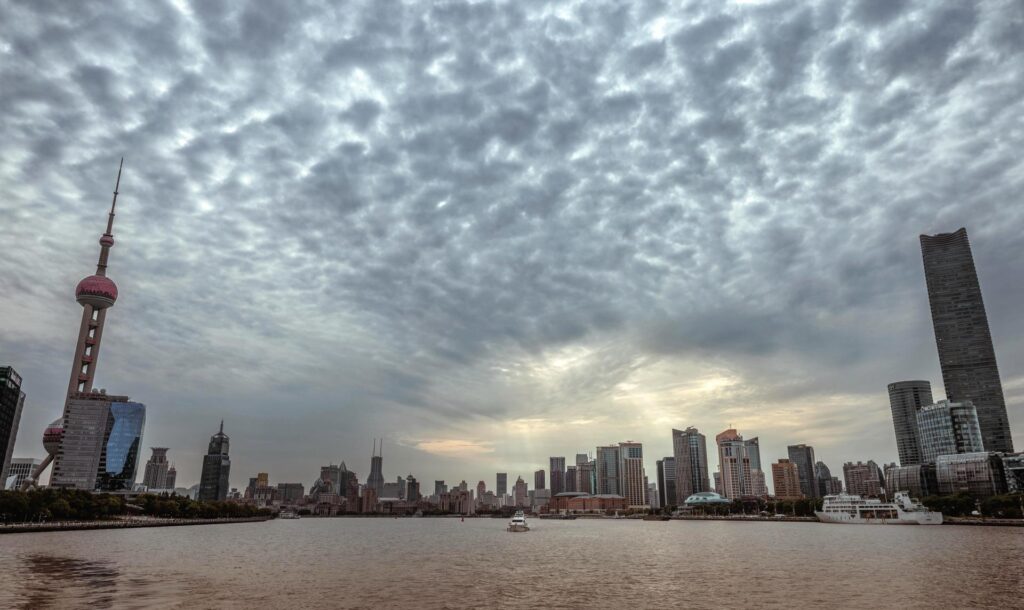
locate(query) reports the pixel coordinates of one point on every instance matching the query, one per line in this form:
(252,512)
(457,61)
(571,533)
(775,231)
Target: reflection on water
(402,563)
(46,579)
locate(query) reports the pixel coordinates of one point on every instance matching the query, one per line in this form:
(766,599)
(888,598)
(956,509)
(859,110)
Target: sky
(494,232)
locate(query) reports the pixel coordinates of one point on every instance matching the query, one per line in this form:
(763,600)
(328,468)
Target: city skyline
(490,290)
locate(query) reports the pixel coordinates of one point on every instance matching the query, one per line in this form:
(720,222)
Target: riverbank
(978,521)
(744,518)
(63,526)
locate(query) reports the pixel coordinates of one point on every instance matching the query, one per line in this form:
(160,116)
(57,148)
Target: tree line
(76,505)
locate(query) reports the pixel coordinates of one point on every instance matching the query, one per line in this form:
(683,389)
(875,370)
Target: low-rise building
(977,474)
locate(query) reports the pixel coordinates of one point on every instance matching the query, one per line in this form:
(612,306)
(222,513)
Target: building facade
(633,479)
(690,456)
(215,478)
(557,472)
(977,474)
(376,479)
(12,401)
(803,457)
(521,493)
(916,479)
(786,476)
(538,480)
(946,428)
(1013,472)
(734,466)
(962,336)
(667,481)
(20,470)
(906,398)
(609,480)
(862,479)
(101,443)
(155,475)
(501,489)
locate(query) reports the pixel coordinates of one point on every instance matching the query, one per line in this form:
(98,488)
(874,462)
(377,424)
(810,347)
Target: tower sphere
(96,290)
(52,435)
(107,240)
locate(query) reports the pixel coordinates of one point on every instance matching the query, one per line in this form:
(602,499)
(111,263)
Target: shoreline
(66,526)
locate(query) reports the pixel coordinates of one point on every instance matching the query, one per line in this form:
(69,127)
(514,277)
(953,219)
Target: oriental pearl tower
(95,294)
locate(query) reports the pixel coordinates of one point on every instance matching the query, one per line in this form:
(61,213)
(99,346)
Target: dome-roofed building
(706,498)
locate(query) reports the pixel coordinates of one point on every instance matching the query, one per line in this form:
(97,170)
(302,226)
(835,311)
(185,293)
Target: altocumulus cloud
(494,232)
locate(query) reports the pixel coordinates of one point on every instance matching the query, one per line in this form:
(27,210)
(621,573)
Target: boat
(903,510)
(287,514)
(518,523)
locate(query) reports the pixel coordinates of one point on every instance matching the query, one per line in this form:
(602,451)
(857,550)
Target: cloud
(504,230)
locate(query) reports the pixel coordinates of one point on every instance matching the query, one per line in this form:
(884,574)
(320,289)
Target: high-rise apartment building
(609,480)
(758,486)
(906,398)
(962,335)
(946,428)
(12,401)
(215,479)
(863,480)
(155,475)
(557,472)
(803,457)
(538,480)
(786,475)
(633,479)
(667,482)
(690,456)
(501,489)
(733,465)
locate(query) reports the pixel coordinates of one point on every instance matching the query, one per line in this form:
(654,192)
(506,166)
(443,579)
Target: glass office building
(946,428)
(121,458)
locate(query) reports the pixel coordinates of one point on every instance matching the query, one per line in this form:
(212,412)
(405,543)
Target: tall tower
(215,478)
(95,294)
(376,479)
(906,398)
(966,355)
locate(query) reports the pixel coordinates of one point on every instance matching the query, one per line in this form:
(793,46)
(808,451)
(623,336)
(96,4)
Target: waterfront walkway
(107,524)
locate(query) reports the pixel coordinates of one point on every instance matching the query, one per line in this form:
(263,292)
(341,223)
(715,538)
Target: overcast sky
(495,232)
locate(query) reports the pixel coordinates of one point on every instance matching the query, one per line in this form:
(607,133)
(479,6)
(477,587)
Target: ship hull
(904,519)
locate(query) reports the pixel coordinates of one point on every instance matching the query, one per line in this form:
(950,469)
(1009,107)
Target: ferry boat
(845,508)
(287,514)
(518,523)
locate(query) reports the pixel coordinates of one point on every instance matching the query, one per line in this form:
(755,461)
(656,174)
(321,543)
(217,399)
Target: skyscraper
(412,489)
(632,478)
(803,457)
(520,492)
(538,479)
(962,336)
(946,428)
(557,471)
(155,476)
(827,484)
(667,482)
(788,485)
(733,465)
(906,398)
(215,479)
(609,479)
(570,479)
(690,456)
(502,484)
(376,479)
(12,400)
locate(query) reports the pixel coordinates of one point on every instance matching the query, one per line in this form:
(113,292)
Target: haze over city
(495,233)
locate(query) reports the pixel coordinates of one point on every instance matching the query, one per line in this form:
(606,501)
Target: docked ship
(518,523)
(903,510)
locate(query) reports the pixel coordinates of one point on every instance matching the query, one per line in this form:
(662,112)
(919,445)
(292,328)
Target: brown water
(445,563)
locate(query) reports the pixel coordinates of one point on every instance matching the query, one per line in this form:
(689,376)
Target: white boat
(518,523)
(287,514)
(903,510)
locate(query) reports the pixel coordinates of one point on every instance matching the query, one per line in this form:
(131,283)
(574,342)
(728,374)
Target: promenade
(107,524)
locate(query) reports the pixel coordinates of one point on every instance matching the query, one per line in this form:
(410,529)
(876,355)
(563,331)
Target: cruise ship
(844,508)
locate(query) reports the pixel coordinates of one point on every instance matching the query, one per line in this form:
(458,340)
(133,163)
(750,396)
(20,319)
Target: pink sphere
(96,290)
(52,436)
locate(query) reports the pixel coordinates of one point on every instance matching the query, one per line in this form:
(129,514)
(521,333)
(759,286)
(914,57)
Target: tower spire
(222,426)
(113,204)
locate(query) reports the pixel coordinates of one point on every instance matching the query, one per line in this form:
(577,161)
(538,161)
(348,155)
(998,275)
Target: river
(447,563)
